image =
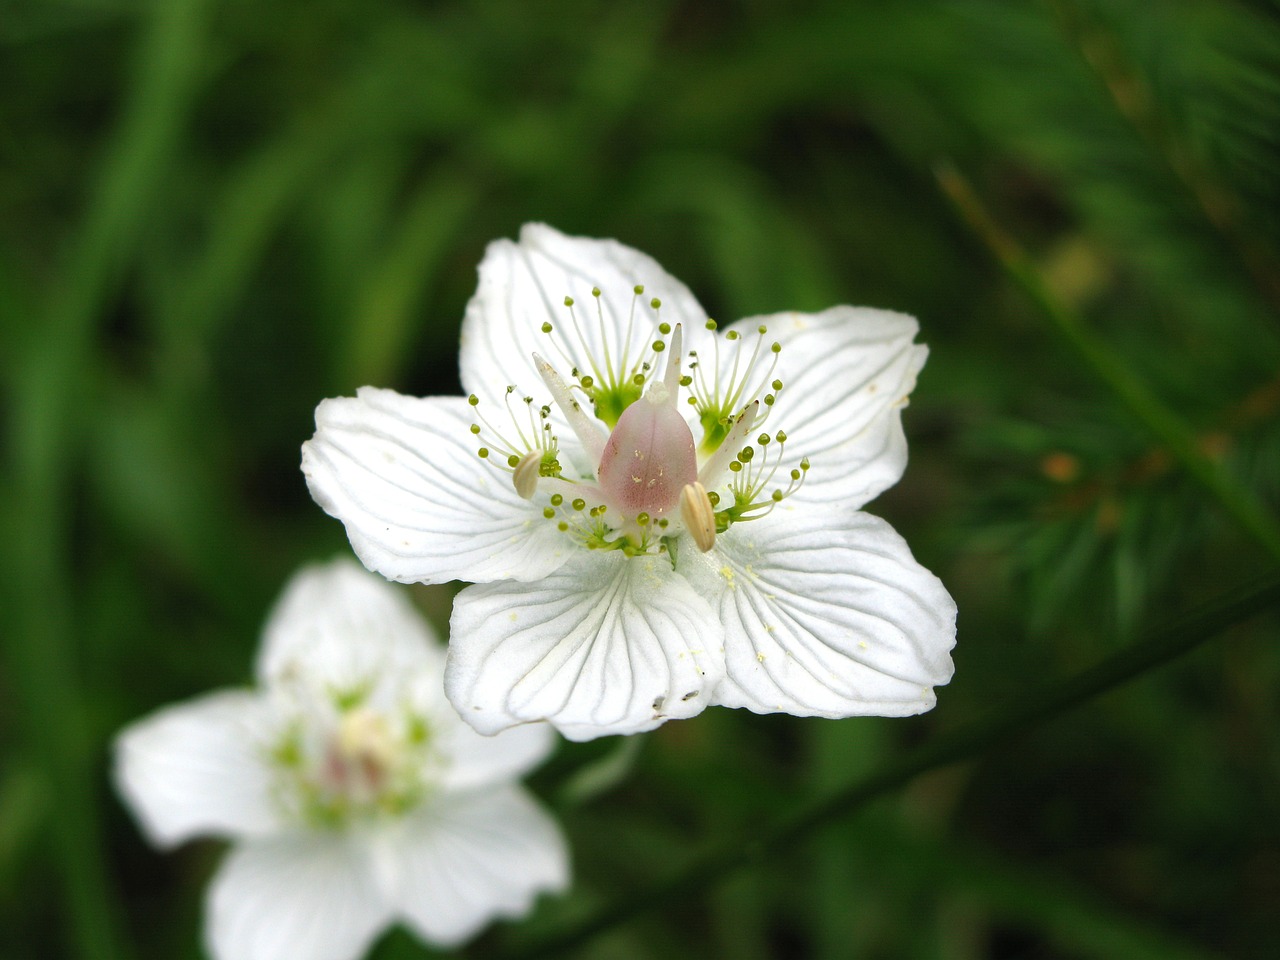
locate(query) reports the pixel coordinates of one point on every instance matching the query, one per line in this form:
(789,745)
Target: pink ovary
(648,459)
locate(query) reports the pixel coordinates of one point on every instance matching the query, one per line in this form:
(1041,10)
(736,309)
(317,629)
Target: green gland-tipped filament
(611,375)
(720,400)
(752,483)
(527,450)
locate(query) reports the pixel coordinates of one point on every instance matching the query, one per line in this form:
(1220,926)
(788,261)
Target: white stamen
(588,432)
(672,376)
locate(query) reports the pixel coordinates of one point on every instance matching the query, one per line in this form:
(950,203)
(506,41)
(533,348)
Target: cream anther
(698,515)
(672,377)
(525,475)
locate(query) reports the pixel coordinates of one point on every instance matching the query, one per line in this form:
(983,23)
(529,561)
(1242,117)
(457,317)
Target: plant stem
(1238,501)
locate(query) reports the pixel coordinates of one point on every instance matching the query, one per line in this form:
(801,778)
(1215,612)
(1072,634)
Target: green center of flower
(354,763)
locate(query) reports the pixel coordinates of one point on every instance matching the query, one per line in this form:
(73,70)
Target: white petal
(826,613)
(342,625)
(465,859)
(419,505)
(300,896)
(199,768)
(606,644)
(523,285)
(474,760)
(847,373)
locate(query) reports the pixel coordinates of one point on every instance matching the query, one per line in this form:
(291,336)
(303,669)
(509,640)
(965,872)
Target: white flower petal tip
(193,769)
(356,795)
(652,508)
(523,288)
(849,372)
(324,607)
(296,896)
(504,851)
(834,620)
(419,504)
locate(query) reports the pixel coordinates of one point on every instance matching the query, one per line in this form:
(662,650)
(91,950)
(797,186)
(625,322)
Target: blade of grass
(382,325)
(1238,501)
(48,414)
(24,804)
(962,743)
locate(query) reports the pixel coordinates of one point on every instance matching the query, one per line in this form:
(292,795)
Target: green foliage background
(212,215)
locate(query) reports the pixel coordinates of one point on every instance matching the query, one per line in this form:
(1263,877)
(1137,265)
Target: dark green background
(214,214)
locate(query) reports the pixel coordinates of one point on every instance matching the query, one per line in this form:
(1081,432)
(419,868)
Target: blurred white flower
(657,515)
(354,794)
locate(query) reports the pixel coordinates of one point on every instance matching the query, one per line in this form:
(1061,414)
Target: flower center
(649,480)
(649,457)
(362,764)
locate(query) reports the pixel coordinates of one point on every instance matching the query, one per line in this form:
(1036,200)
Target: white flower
(657,515)
(354,794)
